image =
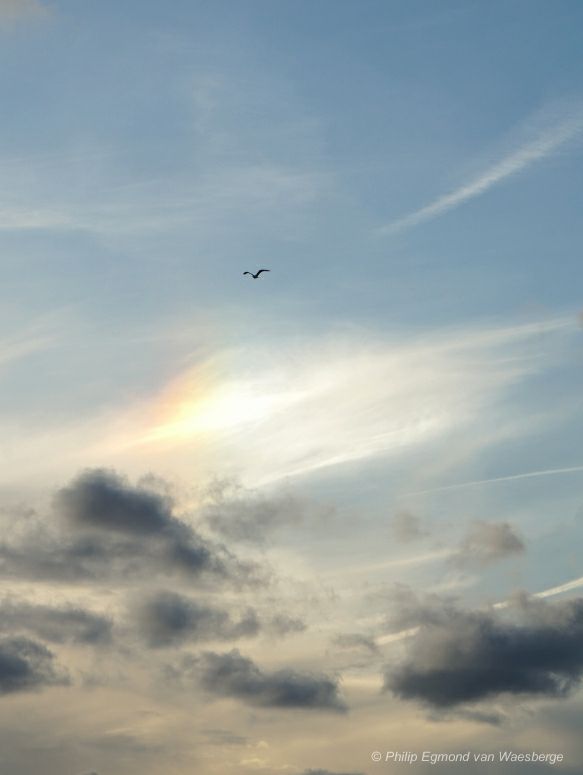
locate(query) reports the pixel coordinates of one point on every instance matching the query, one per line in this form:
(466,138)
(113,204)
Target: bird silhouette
(256,275)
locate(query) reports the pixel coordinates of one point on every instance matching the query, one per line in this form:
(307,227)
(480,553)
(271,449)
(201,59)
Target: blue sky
(392,414)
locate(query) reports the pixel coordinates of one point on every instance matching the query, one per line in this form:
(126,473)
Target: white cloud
(493,480)
(275,410)
(522,158)
(283,411)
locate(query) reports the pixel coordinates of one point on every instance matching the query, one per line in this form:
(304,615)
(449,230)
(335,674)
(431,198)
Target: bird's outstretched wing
(248,273)
(262,270)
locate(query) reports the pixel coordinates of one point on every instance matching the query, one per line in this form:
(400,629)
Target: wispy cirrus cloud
(493,480)
(245,191)
(343,402)
(17,347)
(511,164)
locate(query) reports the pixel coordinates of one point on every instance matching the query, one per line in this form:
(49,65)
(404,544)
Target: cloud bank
(459,656)
(57,625)
(26,665)
(107,528)
(168,619)
(233,675)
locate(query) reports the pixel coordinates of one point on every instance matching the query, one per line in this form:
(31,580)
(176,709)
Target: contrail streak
(575,584)
(478,482)
(515,162)
(567,587)
(393,637)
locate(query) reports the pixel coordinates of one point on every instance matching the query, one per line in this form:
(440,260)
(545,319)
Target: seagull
(256,275)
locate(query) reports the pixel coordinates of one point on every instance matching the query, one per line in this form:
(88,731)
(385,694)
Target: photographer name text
(429,757)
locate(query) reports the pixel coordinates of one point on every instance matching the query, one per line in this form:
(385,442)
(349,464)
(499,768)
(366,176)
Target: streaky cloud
(409,631)
(494,479)
(522,158)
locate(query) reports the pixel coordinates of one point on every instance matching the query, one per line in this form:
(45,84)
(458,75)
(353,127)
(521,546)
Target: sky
(284,525)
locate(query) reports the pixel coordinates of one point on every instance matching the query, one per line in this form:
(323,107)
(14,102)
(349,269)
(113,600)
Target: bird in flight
(256,275)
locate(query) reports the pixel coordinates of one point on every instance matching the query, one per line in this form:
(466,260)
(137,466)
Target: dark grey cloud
(110,529)
(57,625)
(27,666)
(243,515)
(102,499)
(49,555)
(168,619)
(233,675)
(93,558)
(487,543)
(460,656)
(406,527)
